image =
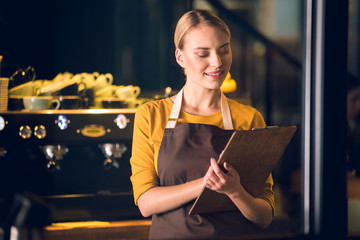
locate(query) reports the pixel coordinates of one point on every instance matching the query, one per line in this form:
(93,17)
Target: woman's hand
(254,209)
(227,183)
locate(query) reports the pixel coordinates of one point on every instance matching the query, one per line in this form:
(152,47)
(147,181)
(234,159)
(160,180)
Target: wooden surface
(133,229)
(353,187)
(254,154)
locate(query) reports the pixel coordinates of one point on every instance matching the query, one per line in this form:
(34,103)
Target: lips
(215,74)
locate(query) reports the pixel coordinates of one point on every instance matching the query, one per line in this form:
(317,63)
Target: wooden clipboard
(254,154)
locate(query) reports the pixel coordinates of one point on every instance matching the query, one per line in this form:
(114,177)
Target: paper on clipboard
(254,154)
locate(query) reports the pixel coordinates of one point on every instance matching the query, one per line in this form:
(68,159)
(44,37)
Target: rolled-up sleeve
(267,193)
(144,174)
(258,120)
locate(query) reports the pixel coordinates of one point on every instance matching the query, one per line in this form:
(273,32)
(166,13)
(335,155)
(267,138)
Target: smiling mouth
(216,74)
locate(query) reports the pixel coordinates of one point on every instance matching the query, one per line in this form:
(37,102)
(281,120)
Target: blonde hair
(194,18)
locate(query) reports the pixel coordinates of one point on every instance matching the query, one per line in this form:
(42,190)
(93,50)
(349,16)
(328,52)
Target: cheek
(228,60)
(196,66)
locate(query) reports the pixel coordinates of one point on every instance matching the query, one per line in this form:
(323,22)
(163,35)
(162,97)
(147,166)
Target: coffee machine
(76,161)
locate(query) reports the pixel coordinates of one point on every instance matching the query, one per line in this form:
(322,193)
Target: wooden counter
(139,229)
(132,229)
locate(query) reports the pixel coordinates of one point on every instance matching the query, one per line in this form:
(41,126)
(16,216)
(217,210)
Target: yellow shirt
(150,121)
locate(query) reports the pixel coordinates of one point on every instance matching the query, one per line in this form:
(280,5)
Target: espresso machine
(75,161)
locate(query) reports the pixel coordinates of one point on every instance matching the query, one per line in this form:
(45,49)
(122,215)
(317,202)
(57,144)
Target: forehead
(205,36)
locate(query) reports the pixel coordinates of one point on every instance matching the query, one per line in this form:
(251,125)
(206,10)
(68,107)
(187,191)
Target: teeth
(213,74)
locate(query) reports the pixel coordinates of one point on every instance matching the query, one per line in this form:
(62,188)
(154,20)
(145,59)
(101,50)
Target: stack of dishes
(68,91)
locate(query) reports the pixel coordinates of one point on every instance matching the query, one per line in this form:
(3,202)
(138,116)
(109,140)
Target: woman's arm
(161,199)
(148,195)
(254,209)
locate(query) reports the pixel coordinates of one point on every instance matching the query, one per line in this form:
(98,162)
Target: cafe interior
(64,158)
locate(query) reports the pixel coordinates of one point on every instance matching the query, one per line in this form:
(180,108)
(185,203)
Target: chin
(217,87)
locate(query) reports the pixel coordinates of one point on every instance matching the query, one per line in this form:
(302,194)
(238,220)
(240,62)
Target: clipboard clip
(275,126)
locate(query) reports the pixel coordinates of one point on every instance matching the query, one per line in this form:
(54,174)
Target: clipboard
(254,154)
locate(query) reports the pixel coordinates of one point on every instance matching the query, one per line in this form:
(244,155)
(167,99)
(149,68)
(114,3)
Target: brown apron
(184,156)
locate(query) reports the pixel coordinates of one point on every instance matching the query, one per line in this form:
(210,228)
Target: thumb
(229,168)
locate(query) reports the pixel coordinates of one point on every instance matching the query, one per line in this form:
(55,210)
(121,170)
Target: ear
(179,57)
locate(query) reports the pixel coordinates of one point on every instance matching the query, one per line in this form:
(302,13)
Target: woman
(178,139)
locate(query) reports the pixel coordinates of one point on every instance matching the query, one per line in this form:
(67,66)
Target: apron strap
(225,110)
(175,112)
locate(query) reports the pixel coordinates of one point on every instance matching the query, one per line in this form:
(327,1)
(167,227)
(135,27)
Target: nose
(215,60)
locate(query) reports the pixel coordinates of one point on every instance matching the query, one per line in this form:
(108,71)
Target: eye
(224,50)
(202,54)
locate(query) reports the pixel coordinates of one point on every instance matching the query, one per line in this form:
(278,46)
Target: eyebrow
(205,48)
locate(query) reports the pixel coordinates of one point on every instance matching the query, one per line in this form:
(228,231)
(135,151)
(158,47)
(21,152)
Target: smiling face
(206,56)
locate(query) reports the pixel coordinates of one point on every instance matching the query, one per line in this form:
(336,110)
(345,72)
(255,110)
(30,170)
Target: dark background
(130,39)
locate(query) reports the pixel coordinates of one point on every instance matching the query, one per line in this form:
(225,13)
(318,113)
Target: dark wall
(133,40)
(27,33)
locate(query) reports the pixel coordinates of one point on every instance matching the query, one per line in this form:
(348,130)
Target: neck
(201,101)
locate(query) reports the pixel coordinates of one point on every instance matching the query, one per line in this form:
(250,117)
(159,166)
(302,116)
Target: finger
(209,183)
(211,175)
(230,169)
(216,168)
(209,171)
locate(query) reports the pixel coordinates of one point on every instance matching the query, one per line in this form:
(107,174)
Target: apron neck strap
(175,112)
